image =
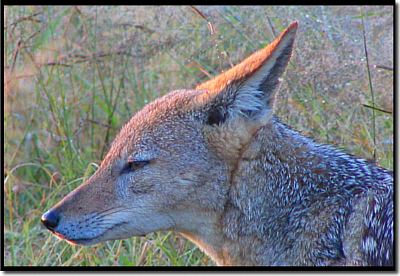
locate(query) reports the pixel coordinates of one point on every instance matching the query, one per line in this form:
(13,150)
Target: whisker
(108,212)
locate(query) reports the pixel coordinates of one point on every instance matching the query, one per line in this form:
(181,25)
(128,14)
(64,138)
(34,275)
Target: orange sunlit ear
(255,62)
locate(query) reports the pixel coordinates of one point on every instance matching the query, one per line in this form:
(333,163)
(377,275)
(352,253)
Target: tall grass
(74,75)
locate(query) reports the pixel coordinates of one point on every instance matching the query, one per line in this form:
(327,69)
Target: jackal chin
(77,241)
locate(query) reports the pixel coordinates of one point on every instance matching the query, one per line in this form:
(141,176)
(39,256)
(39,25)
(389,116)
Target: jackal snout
(80,216)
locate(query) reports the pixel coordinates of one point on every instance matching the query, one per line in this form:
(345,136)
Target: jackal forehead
(174,102)
(158,123)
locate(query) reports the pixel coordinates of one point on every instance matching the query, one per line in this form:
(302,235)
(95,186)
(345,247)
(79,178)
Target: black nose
(50,219)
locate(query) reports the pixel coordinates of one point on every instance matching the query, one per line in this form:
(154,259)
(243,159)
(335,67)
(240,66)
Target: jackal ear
(247,90)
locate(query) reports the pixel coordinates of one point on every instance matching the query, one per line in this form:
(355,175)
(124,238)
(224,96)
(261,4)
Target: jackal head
(170,166)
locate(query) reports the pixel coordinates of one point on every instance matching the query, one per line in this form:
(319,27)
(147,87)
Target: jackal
(215,165)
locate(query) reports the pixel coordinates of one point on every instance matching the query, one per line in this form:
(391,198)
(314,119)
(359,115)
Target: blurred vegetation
(74,75)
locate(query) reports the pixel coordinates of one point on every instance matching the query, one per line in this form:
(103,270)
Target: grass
(74,75)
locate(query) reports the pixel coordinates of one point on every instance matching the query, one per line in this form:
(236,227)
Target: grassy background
(74,75)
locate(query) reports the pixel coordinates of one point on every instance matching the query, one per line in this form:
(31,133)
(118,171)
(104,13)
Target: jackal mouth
(92,240)
(85,241)
(71,241)
(81,241)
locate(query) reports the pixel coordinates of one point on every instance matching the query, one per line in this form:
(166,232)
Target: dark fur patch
(216,116)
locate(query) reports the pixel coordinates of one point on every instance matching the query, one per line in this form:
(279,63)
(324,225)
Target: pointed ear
(247,90)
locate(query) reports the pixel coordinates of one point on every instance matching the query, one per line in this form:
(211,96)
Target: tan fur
(229,140)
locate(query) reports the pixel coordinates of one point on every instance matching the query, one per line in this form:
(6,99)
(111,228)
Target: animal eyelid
(137,164)
(133,165)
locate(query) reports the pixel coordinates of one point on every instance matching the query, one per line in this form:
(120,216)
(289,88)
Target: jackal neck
(288,202)
(291,192)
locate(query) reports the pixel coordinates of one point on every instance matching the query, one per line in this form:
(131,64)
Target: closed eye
(132,166)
